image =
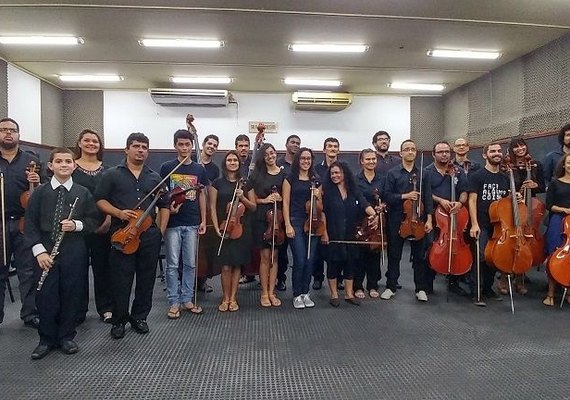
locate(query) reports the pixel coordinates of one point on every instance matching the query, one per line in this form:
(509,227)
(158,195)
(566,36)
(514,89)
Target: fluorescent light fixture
(329,48)
(42,40)
(416,86)
(312,82)
(90,78)
(219,80)
(485,55)
(189,43)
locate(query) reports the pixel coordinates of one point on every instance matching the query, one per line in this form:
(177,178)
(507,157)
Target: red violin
(275,234)
(232,226)
(412,226)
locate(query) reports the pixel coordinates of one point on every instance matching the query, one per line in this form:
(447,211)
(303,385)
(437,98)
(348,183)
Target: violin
(232,227)
(366,233)
(315,223)
(32,167)
(178,195)
(508,249)
(274,234)
(127,239)
(411,226)
(558,265)
(450,254)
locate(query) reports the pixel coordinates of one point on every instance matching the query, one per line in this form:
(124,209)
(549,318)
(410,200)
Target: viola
(366,233)
(232,227)
(274,234)
(558,265)
(411,226)
(508,249)
(315,222)
(127,239)
(25,196)
(450,254)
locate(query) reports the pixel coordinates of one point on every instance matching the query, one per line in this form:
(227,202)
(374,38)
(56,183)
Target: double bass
(450,254)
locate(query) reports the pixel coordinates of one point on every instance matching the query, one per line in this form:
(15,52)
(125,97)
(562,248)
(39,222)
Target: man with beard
(17,179)
(381,142)
(553,157)
(486,186)
(209,148)
(461,148)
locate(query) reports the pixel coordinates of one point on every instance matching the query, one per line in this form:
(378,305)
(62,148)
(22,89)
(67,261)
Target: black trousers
(486,272)
(59,298)
(368,266)
(419,264)
(24,262)
(282,261)
(139,267)
(98,247)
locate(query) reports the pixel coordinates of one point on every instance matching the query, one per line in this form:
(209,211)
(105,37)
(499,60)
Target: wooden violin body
(275,229)
(365,233)
(558,265)
(315,221)
(411,226)
(127,239)
(235,209)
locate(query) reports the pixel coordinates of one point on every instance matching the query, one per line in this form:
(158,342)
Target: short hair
(363,152)
(486,147)
(241,138)
(216,138)
(12,121)
(406,141)
(91,132)
(330,140)
(183,134)
(560,133)
(60,150)
(292,137)
(380,133)
(137,137)
(441,142)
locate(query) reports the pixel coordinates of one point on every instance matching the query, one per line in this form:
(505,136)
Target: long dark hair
(78,149)
(516,142)
(349,180)
(560,171)
(260,165)
(225,171)
(296,164)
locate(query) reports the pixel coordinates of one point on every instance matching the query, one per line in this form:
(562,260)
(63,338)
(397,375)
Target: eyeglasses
(409,149)
(443,152)
(305,158)
(10,130)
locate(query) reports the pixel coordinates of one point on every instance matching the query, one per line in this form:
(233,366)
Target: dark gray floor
(382,350)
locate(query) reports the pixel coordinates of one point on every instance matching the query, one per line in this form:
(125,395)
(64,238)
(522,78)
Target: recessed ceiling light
(417,86)
(189,43)
(42,40)
(90,78)
(486,55)
(312,82)
(220,80)
(329,48)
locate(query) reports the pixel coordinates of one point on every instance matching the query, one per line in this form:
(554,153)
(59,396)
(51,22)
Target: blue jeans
(181,239)
(302,267)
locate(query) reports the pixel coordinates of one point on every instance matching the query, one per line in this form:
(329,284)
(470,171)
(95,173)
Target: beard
(8,146)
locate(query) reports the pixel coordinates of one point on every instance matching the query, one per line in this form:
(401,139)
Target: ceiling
(257,33)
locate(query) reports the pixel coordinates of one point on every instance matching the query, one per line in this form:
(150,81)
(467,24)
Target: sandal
(548,301)
(224,305)
(233,306)
(265,301)
(275,302)
(194,309)
(373,293)
(173,312)
(359,294)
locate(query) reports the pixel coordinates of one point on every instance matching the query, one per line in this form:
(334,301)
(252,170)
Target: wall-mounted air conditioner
(321,101)
(190,97)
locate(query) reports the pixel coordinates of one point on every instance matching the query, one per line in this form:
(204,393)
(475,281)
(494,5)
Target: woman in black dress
(89,150)
(232,255)
(264,187)
(344,206)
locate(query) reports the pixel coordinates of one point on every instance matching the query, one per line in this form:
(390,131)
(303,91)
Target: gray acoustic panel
(456,112)
(427,122)
(479,97)
(52,114)
(82,109)
(3,89)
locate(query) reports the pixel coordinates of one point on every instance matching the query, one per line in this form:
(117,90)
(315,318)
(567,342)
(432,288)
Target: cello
(450,254)
(535,215)
(558,265)
(315,224)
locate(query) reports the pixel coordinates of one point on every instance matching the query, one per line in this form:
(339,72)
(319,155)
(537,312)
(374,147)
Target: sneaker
(298,302)
(307,301)
(387,294)
(421,296)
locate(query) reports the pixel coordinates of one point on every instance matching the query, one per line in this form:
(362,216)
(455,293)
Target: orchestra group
(478,224)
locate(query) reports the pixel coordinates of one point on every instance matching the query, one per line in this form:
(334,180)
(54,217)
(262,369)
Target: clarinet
(55,249)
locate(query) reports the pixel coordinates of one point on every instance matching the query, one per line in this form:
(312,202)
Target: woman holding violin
(345,205)
(90,167)
(299,191)
(371,184)
(264,186)
(228,204)
(558,203)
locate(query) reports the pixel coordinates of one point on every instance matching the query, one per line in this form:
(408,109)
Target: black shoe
(340,285)
(456,289)
(69,347)
(79,320)
(139,325)
(33,323)
(205,288)
(118,331)
(492,295)
(41,351)
(334,302)
(353,300)
(281,286)
(398,286)
(317,285)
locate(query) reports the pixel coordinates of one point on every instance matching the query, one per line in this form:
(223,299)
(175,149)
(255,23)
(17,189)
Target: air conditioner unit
(321,101)
(190,97)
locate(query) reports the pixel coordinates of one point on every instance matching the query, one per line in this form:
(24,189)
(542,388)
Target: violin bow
(3,204)
(421,184)
(382,252)
(310,217)
(228,218)
(273,231)
(479,303)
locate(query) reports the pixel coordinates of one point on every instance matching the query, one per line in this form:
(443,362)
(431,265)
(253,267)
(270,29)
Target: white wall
(134,111)
(24,103)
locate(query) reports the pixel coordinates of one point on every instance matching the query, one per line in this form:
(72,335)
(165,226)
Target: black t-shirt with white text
(489,187)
